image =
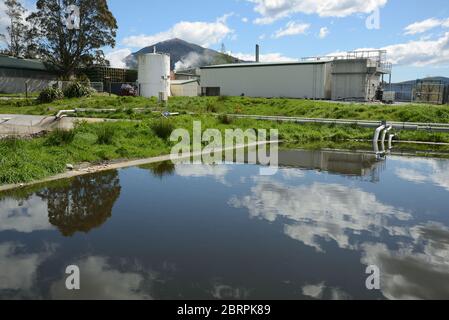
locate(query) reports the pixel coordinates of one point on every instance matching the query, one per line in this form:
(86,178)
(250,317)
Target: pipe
(257,53)
(390,141)
(62,113)
(414,126)
(376,138)
(384,133)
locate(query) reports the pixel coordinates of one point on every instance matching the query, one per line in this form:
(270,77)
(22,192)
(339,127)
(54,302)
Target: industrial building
(309,80)
(185,88)
(354,76)
(24,75)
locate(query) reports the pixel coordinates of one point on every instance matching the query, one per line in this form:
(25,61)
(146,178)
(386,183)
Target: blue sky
(415,32)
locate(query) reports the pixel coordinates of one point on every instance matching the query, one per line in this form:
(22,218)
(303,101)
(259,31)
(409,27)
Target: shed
(185,88)
(17,74)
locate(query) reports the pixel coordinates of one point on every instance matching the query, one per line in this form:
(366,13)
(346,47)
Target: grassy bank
(28,160)
(237,105)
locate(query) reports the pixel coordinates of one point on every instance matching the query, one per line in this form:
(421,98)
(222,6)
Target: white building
(355,76)
(308,80)
(185,88)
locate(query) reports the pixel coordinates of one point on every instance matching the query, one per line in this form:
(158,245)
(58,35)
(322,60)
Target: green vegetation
(236,105)
(50,94)
(162,128)
(34,159)
(78,90)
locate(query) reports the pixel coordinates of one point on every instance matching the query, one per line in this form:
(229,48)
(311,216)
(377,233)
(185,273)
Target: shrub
(60,137)
(78,90)
(163,129)
(225,119)
(105,134)
(50,94)
(127,90)
(210,107)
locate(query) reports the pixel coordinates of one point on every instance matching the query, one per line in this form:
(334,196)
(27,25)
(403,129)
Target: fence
(432,92)
(98,86)
(115,87)
(23,86)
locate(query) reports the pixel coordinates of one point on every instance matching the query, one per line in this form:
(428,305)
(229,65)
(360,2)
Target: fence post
(26,89)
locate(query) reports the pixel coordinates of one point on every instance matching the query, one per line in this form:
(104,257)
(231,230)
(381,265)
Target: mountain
(184,55)
(444,80)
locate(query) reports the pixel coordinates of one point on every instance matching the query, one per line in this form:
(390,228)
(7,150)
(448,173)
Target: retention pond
(224,232)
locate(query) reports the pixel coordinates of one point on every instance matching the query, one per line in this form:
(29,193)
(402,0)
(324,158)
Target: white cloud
(218,172)
(421,52)
(324,32)
(420,171)
(320,211)
(24,216)
(4,20)
(414,271)
(101,281)
(292,28)
(269,57)
(18,268)
(272,10)
(321,291)
(418,53)
(425,25)
(202,33)
(117,57)
(245,20)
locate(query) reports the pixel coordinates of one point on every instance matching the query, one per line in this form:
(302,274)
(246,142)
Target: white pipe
(377,133)
(61,113)
(390,141)
(384,133)
(376,138)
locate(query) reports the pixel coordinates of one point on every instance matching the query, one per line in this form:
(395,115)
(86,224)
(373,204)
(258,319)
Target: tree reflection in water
(160,169)
(84,204)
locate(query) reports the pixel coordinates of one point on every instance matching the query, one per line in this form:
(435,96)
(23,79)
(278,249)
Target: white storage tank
(154,75)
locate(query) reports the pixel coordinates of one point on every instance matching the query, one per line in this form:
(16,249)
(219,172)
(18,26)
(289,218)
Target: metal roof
(17,63)
(181,82)
(263,64)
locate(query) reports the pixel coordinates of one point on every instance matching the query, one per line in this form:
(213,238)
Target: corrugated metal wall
(309,81)
(14,80)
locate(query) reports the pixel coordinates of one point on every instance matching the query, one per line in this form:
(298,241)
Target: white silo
(154,75)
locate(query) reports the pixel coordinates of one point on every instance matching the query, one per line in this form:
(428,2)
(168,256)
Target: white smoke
(194,60)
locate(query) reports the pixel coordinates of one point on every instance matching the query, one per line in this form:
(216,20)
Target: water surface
(224,232)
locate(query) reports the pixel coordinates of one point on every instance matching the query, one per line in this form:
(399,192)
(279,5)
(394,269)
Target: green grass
(237,105)
(28,160)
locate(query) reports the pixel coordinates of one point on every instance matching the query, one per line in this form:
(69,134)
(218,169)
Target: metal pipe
(62,113)
(376,138)
(257,53)
(390,141)
(414,126)
(384,133)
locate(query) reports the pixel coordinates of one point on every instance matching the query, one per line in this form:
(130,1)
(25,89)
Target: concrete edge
(121,165)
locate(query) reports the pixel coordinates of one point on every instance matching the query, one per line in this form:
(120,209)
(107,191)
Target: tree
(17,37)
(67,47)
(83,204)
